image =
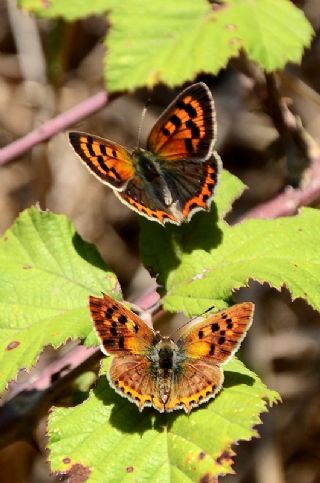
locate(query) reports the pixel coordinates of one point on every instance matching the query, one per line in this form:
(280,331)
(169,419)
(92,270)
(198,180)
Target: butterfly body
(166,361)
(175,176)
(168,373)
(150,177)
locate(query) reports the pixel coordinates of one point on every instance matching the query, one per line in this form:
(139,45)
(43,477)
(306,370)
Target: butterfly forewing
(120,330)
(219,335)
(187,128)
(127,337)
(108,161)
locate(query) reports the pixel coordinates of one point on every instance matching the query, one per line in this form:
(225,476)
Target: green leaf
(108,440)
(281,252)
(272,32)
(68,10)
(47,273)
(170,42)
(177,241)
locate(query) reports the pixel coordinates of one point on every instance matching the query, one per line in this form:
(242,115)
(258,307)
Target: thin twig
(53,126)
(289,202)
(20,415)
(291,134)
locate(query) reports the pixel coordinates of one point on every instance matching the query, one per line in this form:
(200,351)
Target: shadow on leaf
(88,252)
(201,233)
(125,415)
(236,379)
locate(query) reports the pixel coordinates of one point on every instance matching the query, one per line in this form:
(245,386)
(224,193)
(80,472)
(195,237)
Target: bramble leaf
(109,440)
(47,273)
(170,42)
(68,10)
(281,252)
(202,232)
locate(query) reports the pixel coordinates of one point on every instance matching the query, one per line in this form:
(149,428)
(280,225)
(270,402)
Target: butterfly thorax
(166,360)
(149,168)
(146,164)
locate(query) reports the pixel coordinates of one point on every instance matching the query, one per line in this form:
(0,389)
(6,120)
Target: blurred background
(48,66)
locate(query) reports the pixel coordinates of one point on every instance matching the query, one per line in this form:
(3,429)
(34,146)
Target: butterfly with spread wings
(176,175)
(152,370)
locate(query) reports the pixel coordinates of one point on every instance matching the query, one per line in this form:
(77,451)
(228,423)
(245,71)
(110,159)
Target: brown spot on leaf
(231,27)
(12,345)
(207,478)
(130,469)
(26,267)
(66,461)
(235,41)
(76,474)
(225,456)
(201,455)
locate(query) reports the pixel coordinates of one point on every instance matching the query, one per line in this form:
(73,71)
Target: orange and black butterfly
(175,176)
(152,370)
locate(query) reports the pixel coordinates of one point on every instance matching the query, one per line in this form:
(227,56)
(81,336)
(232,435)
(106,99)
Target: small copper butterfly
(176,175)
(152,370)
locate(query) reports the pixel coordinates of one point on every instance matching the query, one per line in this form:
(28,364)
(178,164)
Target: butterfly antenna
(143,115)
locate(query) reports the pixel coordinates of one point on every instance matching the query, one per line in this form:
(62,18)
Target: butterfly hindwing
(187,128)
(192,184)
(120,330)
(131,376)
(140,201)
(196,382)
(108,161)
(218,336)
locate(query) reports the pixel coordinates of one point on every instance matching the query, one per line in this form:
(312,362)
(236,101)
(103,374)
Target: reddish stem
(53,126)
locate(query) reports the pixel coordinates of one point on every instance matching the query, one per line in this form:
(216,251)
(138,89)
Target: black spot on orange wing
(165,131)
(122,319)
(188,108)
(90,148)
(195,131)
(121,342)
(188,145)
(221,340)
(175,120)
(212,349)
